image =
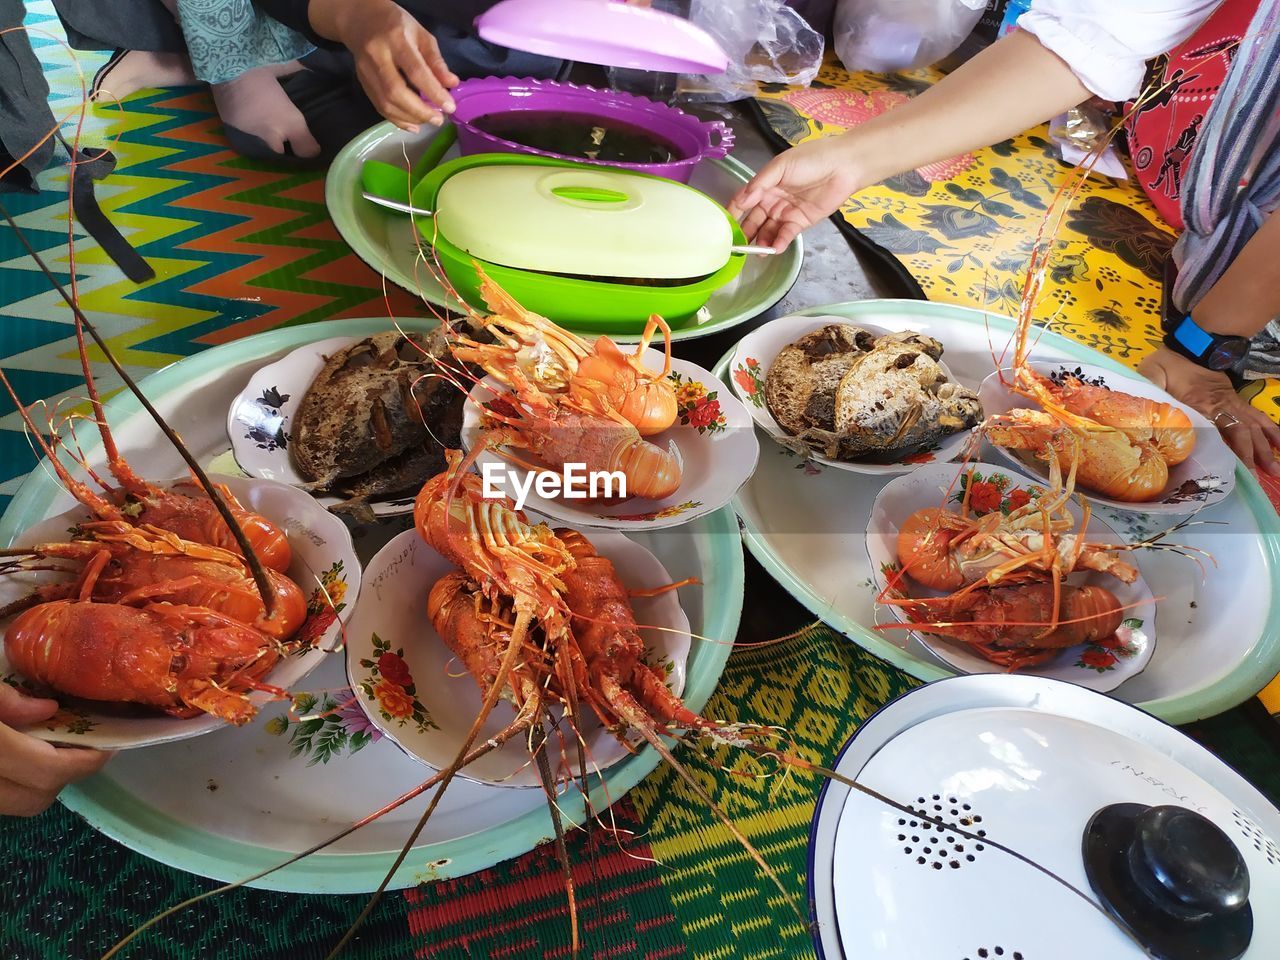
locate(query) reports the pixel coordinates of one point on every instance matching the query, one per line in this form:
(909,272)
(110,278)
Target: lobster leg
(634,715)
(654,324)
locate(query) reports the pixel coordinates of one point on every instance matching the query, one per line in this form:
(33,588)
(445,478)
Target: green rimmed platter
(239,800)
(1220,635)
(388,242)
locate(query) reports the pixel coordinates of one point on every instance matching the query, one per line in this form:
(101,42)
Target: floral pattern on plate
(327,600)
(994,492)
(698,406)
(389,685)
(330,726)
(267,430)
(750,380)
(1125,644)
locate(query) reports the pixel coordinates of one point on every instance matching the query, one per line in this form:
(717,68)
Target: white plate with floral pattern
(419,695)
(713,438)
(324,562)
(1206,477)
(749,367)
(259,423)
(1100,666)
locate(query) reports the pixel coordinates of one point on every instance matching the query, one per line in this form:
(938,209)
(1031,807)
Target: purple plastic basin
(692,140)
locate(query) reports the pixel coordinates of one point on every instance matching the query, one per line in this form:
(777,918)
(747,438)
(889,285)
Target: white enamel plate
(259,422)
(324,561)
(749,367)
(418,693)
(1203,479)
(713,438)
(1100,666)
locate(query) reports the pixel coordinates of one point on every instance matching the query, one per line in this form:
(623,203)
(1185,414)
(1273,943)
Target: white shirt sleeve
(1106,43)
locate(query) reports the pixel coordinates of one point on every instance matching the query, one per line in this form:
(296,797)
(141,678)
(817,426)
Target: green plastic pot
(590,305)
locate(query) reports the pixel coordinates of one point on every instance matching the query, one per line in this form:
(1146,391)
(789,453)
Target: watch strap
(1196,341)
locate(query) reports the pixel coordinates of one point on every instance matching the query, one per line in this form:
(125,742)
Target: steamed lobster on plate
(1003,573)
(538,617)
(547,593)
(573,401)
(1120,446)
(164,607)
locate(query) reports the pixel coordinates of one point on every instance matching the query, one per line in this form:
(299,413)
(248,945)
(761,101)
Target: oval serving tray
(388,243)
(238,801)
(1219,639)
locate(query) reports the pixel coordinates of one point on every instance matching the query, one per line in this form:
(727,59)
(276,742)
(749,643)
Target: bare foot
(136,70)
(256,103)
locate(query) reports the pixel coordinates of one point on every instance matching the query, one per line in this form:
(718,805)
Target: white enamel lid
(590,222)
(1027,766)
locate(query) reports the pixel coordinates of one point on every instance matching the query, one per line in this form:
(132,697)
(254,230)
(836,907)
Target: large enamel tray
(388,243)
(238,800)
(1219,638)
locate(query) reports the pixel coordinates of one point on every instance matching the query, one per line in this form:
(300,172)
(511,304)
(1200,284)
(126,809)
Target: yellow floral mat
(964,227)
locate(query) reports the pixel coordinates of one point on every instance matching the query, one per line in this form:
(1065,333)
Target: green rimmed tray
(387,242)
(239,800)
(1219,639)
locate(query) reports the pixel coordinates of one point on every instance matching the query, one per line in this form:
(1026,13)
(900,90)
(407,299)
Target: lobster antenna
(255,566)
(514,646)
(539,746)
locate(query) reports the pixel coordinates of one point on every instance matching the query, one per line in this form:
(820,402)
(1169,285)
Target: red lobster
(139,565)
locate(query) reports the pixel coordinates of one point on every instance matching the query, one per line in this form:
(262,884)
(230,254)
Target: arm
(1243,301)
(1247,296)
(1012,85)
(397,61)
(1063,52)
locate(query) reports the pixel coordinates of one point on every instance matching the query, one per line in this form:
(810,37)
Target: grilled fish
(850,395)
(377,418)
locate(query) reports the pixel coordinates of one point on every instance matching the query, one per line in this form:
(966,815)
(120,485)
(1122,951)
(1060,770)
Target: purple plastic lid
(606,32)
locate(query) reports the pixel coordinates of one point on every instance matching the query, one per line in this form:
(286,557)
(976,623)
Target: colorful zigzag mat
(237,247)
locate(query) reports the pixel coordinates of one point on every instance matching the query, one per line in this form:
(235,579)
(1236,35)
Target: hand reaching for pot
(1248,431)
(398,61)
(796,189)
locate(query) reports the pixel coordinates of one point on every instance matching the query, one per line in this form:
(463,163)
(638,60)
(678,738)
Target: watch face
(1227,353)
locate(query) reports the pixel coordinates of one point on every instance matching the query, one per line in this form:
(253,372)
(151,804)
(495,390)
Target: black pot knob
(1186,865)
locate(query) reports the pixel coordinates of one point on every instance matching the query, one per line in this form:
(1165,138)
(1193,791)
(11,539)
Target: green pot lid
(587,222)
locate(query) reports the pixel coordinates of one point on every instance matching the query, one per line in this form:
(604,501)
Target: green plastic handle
(435,152)
(591,194)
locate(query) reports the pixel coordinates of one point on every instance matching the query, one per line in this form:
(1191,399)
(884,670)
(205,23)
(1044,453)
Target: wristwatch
(1213,351)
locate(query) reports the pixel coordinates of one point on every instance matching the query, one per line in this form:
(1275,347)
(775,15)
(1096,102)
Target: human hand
(32,771)
(1248,431)
(397,61)
(796,189)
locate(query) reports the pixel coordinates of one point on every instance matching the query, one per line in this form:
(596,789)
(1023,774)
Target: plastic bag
(767,42)
(884,35)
